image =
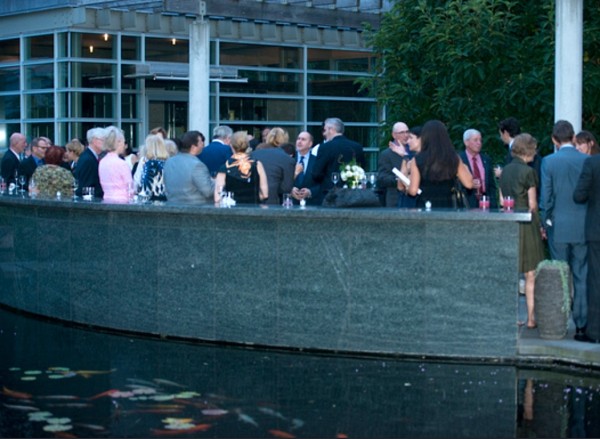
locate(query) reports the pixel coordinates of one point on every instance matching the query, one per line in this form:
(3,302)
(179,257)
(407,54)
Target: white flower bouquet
(352,174)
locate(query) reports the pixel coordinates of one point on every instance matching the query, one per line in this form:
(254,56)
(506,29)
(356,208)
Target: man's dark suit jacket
(330,157)
(214,155)
(10,164)
(27,168)
(588,190)
(491,189)
(86,172)
(386,179)
(308,182)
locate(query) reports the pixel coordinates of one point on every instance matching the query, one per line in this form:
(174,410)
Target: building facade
(69,65)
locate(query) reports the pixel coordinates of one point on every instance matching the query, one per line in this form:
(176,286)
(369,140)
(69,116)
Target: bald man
(391,158)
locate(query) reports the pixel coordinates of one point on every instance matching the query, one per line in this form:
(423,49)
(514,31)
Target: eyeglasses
(401,132)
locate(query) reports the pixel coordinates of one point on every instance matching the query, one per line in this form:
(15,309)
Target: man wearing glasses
(391,158)
(39,146)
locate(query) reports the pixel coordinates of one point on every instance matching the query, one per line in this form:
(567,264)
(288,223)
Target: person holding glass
(115,176)
(519,181)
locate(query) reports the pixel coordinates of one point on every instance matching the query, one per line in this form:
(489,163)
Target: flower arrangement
(352,174)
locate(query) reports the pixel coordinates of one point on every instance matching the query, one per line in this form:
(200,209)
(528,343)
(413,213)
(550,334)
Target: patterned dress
(153,181)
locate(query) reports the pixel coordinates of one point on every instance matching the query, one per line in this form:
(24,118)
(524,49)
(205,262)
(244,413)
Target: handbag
(351,198)
(459,196)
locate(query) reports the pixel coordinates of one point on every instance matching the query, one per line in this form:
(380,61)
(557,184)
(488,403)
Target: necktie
(300,176)
(477,175)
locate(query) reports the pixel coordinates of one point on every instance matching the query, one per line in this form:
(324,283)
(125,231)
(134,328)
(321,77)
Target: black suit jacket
(86,172)
(386,179)
(10,164)
(27,168)
(330,157)
(491,189)
(308,182)
(588,191)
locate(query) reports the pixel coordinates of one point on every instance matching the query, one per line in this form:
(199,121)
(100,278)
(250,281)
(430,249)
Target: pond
(66,382)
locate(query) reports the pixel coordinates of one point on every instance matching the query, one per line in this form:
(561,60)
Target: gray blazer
(279,168)
(187,180)
(560,174)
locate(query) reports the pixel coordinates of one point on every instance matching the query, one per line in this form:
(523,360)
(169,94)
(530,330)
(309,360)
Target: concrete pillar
(568,88)
(199,103)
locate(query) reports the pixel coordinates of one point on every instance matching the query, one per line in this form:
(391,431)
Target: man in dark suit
(12,158)
(336,150)
(305,188)
(86,171)
(27,167)
(216,153)
(391,158)
(563,219)
(480,166)
(588,191)
(510,128)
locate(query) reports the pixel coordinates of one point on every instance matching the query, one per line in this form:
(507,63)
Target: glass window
(129,106)
(131,48)
(41,129)
(10,107)
(318,111)
(40,46)
(39,106)
(251,109)
(9,50)
(93,46)
(334,85)
(39,77)
(167,50)
(9,79)
(93,75)
(61,107)
(265,82)
(128,79)
(92,105)
(340,60)
(238,54)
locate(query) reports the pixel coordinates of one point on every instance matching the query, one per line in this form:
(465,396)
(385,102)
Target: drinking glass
(88,193)
(75,186)
(508,204)
(484,202)
(373,179)
(287,201)
(335,178)
(22,181)
(2,186)
(32,188)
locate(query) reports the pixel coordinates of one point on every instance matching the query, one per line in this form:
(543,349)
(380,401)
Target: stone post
(199,94)
(569,62)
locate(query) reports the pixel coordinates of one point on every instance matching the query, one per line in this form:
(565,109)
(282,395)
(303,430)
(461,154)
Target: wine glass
(22,183)
(75,186)
(373,179)
(335,178)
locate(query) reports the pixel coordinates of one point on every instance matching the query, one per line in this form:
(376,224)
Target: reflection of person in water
(525,408)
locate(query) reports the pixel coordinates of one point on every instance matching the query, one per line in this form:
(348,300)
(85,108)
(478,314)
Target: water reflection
(64,382)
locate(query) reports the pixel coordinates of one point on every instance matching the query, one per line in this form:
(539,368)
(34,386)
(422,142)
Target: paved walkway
(567,350)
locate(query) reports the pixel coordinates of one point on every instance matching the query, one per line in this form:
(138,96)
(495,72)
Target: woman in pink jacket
(114,173)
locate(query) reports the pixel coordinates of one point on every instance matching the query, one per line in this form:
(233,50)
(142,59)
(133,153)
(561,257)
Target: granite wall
(436,283)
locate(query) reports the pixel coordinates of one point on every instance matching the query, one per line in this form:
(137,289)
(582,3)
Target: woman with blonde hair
(242,175)
(279,166)
(74,149)
(114,173)
(151,179)
(519,181)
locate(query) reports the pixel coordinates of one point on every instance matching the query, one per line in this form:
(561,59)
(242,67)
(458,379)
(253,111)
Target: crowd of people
(561,190)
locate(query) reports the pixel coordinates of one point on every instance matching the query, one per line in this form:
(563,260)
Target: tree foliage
(472,63)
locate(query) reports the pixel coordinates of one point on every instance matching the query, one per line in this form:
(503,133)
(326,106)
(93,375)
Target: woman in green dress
(519,181)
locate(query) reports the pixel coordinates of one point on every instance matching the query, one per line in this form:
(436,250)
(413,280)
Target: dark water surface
(65,382)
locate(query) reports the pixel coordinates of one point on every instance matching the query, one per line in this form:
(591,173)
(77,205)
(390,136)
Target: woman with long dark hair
(436,168)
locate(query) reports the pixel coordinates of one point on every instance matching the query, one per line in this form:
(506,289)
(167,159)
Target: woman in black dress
(435,169)
(245,177)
